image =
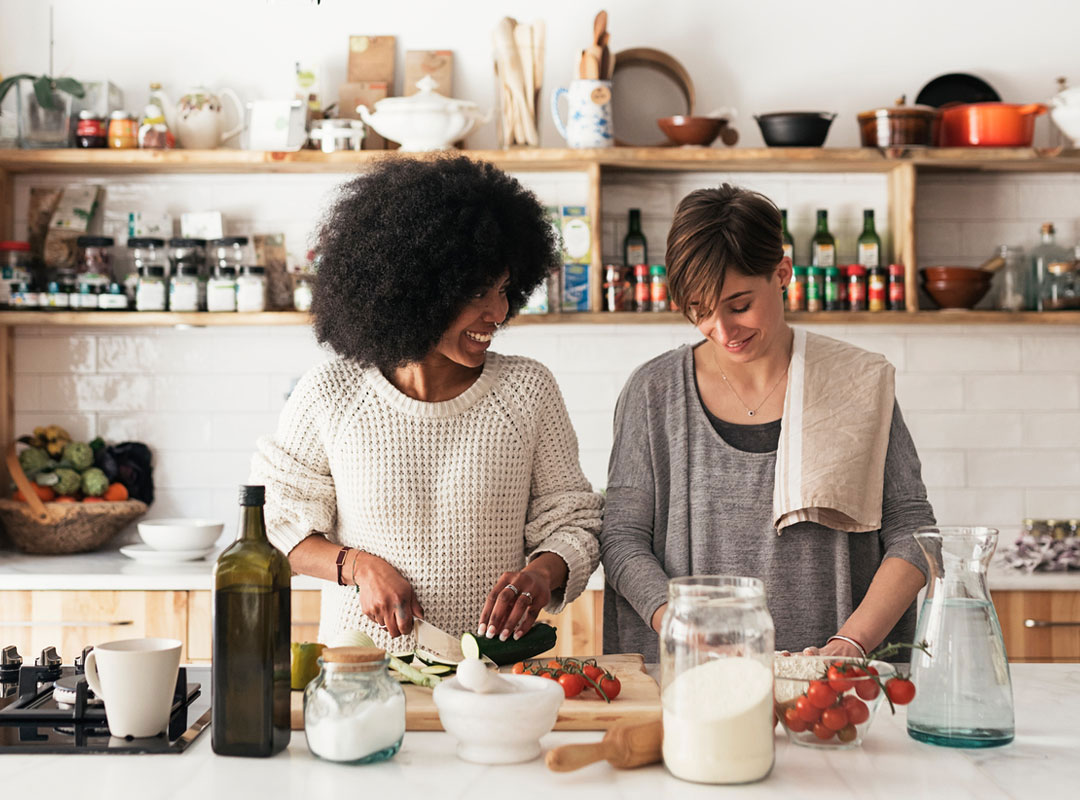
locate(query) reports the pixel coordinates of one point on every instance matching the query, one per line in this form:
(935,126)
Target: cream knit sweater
(452,494)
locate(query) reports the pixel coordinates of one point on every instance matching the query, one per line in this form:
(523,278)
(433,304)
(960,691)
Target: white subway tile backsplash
(1052,503)
(962,353)
(980,199)
(210,393)
(95,392)
(1050,354)
(28,393)
(61,354)
(240,431)
(80,426)
(996,508)
(1022,392)
(195,469)
(941,468)
(921,392)
(1052,430)
(1020,468)
(965,430)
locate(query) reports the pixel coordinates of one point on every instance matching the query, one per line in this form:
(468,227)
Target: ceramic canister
(589,118)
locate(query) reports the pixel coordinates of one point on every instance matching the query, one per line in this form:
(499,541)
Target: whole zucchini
(540,638)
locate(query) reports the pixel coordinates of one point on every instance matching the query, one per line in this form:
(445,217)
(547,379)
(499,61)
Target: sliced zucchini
(540,638)
(405,656)
(432,659)
(436,669)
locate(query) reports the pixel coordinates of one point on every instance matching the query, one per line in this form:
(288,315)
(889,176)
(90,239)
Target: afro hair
(408,244)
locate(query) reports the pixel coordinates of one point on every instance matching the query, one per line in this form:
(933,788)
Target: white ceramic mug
(136,679)
(589,121)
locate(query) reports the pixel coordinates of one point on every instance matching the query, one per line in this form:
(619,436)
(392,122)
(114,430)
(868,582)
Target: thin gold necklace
(749,411)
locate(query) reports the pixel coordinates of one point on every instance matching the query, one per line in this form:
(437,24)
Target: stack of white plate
(167,541)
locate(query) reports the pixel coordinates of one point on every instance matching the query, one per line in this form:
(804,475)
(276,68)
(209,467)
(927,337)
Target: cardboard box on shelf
(575,287)
(363,93)
(576,234)
(371,58)
(439,64)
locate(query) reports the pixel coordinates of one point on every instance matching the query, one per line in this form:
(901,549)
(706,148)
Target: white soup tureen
(425,121)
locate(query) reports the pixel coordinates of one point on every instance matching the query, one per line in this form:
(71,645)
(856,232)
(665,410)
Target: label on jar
(57,299)
(877,292)
(796,296)
(112,302)
(184,295)
(302,297)
(150,296)
(824,255)
(869,255)
(658,295)
(635,254)
(250,294)
(221,295)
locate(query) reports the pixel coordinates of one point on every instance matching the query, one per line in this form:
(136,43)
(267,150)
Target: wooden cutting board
(638,701)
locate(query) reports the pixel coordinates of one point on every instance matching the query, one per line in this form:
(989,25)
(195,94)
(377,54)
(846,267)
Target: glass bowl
(817,712)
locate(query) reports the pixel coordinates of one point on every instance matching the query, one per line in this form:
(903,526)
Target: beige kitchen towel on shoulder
(830,462)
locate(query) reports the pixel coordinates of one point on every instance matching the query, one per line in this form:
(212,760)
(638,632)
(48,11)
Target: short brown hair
(715,230)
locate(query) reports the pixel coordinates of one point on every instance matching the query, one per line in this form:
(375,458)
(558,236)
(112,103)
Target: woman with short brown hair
(757,431)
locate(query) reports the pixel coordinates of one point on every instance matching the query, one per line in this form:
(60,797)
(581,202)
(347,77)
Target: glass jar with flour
(354,712)
(716,680)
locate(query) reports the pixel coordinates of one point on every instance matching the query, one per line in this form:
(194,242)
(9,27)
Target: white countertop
(109,569)
(1041,763)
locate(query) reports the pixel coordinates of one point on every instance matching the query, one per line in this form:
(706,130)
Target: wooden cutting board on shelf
(638,701)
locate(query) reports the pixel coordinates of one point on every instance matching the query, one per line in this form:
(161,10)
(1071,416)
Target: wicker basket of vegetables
(65,500)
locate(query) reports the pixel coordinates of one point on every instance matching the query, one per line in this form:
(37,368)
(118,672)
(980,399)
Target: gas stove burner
(65,689)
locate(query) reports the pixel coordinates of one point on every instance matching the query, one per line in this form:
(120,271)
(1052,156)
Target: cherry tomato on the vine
(823,733)
(593,671)
(867,688)
(847,734)
(834,718)
(820,694)
(839,681)
(793,721)
(900,690)
(856,710)
(519,668)
(571,683)
(806,710)
(610,686)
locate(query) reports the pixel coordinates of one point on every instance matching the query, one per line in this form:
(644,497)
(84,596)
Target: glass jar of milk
(716,679)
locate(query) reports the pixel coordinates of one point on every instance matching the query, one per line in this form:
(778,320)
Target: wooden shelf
(135,319)
(740,159)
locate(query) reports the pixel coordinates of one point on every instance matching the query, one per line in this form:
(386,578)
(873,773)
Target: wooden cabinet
(305,622)
(1040,626)
(71,620)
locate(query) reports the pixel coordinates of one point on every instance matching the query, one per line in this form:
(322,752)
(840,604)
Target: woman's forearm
(552,566)
(894,588)
(317,556)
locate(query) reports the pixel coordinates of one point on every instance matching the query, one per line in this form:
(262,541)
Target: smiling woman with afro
(419,474)
(407,245)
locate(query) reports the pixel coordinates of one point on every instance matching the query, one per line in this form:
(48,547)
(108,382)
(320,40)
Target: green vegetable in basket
(80,455)
(46,479)
(68,481)
(33,459)
(94,482)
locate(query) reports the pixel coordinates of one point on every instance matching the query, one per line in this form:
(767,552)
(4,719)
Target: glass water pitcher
(964,691)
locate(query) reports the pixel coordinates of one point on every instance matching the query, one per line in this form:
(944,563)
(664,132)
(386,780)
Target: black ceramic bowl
(795,128)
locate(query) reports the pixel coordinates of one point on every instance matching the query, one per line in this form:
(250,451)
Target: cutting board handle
(575,756)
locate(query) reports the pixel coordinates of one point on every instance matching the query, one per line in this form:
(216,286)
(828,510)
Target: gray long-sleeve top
(683,501)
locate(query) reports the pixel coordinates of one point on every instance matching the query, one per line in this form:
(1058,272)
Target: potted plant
(44,113)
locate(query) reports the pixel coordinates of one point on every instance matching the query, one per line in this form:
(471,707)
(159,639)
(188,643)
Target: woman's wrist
(552,567)
(849,641)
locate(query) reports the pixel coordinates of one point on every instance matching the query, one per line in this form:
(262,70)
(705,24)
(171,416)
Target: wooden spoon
(624,745)
(993,265)
(599,26)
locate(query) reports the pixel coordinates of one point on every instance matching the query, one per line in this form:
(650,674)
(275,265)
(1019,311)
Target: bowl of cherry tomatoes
(829,702)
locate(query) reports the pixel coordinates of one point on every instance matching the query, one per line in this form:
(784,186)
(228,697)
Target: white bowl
(1067,118)
(502,728)
(180,534)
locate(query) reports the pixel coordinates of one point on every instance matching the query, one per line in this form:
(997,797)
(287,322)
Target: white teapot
(425,121)
(199,118)
(1065,111)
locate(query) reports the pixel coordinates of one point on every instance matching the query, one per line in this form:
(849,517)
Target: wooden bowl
(699,131)
(957,274)
(956,294)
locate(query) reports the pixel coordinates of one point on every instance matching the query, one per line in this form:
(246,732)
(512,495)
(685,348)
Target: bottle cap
(145,241)
(799,271)
(657,269)
(896,269)
(641,270)
(815,271)
(856,270)
(832,272)
(252,495)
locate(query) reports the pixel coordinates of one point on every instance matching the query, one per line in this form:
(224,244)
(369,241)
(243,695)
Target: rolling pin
(625,746)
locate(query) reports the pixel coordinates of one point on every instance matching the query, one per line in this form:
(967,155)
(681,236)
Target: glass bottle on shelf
(822,244)
(250,681)
(897,288)
(833,301)
(1042,256)
(635,247)
(1013,278)
(785,237)
(868,247)
(815,289)
(1057,291)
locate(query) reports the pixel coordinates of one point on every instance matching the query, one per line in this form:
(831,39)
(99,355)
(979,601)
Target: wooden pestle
(624,745)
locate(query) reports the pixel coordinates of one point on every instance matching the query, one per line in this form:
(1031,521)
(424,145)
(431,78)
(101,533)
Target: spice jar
(876,290)
(123,131)
(184,288)
(147,252)
(152,289)
(114,298)
(897,291)
(251,289)
(354,712)
(856,281)
(56,295)
(302,294)
(23,296)
(1013,290)
(188,257)
(91,130)
(229,251)
(815,288)
(642,289)
(14,268)
(87,290)
(658,288)
(221,289)
(618,290)
(716,679)
(833,300)
(796,290)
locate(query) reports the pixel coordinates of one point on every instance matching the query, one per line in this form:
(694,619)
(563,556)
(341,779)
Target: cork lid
(353,655)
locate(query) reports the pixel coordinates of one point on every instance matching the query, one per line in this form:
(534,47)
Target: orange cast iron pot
(989,124)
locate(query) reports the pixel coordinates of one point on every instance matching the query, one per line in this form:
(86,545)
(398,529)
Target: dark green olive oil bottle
(252,614)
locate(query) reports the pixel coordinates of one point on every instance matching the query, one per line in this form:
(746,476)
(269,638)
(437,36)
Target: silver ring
(527,594)
(382,627)
(513,589)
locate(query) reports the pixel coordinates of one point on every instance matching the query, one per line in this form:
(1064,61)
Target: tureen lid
(427,99)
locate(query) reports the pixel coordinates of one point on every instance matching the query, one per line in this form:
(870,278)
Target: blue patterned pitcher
(589,119)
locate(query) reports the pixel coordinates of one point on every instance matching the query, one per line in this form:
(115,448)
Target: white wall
(770,55)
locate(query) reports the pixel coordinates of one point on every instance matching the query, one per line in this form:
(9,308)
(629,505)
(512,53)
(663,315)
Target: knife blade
(432,641)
